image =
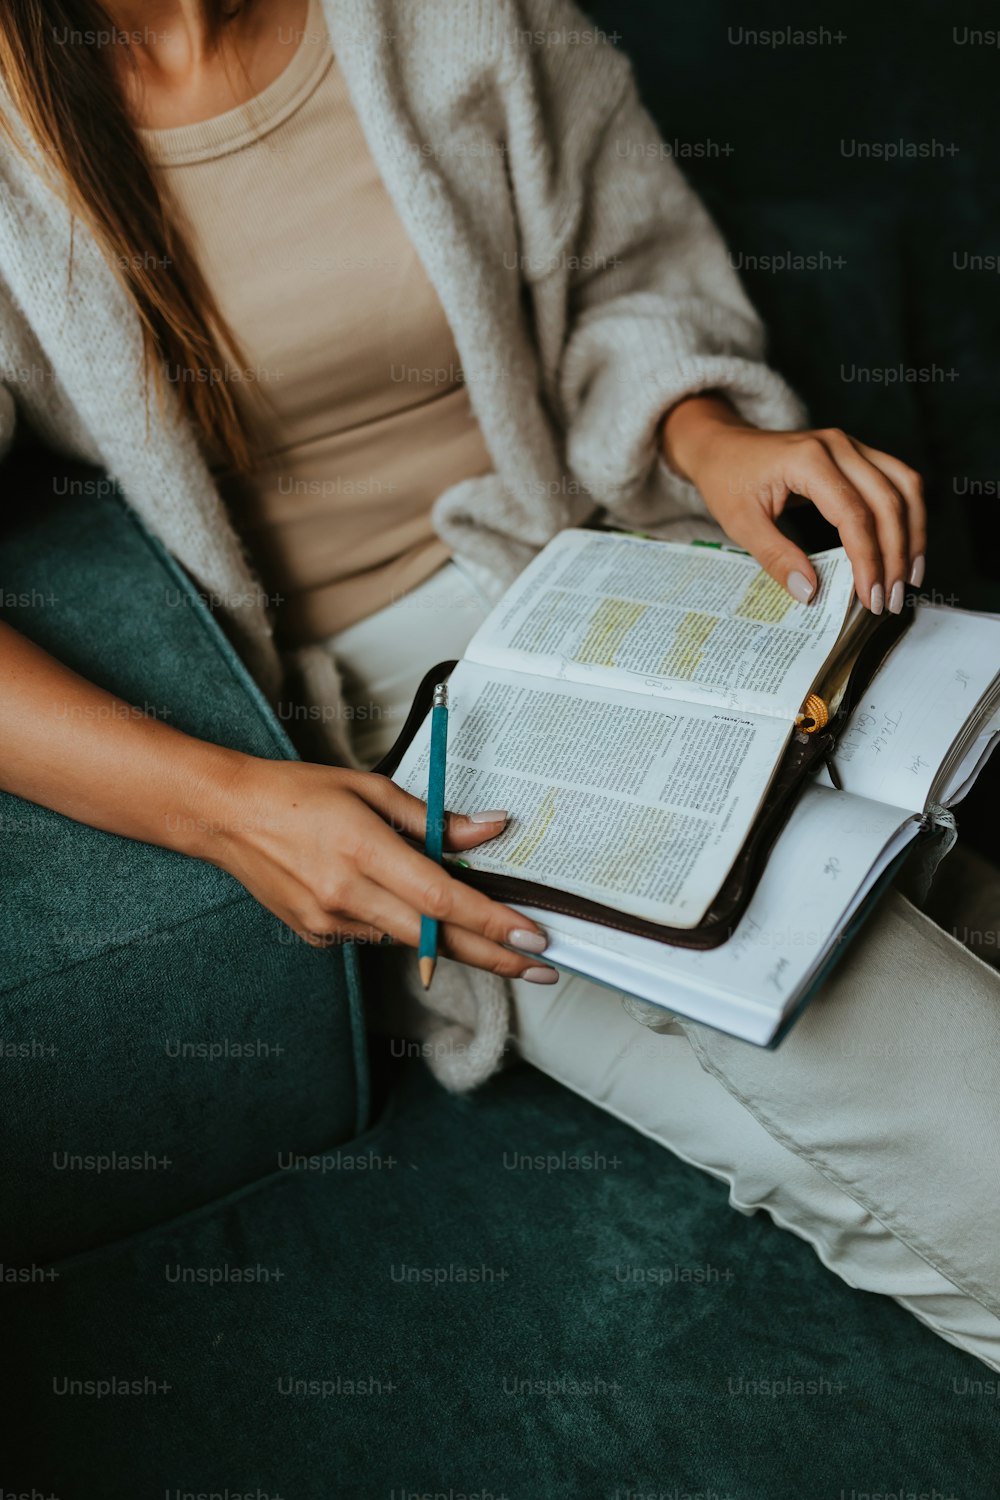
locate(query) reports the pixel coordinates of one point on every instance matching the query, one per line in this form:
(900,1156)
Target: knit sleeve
(655,310)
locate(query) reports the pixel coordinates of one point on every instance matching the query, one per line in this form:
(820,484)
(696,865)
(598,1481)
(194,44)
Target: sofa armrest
(163,1038)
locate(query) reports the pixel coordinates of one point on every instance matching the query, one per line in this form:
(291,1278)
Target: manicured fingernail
(800,588)
(917,571)
(540,975)
(493,816)
(877,599)
(531,942)
(896,598)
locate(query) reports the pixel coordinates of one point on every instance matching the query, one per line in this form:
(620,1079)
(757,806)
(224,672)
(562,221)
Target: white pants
(873,1131)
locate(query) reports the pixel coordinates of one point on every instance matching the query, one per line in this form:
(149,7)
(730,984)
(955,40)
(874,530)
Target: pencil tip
(426,972)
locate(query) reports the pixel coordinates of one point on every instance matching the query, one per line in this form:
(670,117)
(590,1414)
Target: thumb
(465,831)
(787,564)
(407,814)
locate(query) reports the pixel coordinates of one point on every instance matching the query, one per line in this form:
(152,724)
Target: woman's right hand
(323,849)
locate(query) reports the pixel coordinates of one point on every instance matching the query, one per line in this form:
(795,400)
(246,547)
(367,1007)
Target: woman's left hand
(746,477)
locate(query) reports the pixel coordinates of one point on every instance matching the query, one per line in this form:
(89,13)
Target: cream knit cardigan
(585,284)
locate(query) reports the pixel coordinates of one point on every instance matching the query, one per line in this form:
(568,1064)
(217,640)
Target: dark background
(777,127)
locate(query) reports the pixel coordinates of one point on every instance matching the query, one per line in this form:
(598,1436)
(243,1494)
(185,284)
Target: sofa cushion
(161,1034)
(511,1294)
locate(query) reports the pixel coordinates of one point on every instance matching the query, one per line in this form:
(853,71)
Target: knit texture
(585,284)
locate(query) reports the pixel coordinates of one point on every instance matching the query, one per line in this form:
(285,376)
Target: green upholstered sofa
(244,1255)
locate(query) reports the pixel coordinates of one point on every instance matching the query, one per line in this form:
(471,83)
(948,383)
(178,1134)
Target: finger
(467,948)
(911,486)
(887,506)
(429,889)
(786,563)
(320,934)
(812,472)
(468,830)
(327,925)
(389,911)
(407,814)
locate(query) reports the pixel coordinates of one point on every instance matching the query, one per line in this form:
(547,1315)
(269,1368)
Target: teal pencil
(434,836)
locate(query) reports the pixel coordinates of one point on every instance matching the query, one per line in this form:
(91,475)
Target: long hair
(56,65)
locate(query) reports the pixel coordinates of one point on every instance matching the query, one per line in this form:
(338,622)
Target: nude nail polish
(493,816)
(877,599)
(917,571)
(897,598)
(800,588)
(540,975)
(529,942)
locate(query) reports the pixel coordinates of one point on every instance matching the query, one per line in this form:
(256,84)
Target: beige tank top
(352,381)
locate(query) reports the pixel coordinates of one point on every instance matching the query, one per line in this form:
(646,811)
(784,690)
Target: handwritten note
(914,715)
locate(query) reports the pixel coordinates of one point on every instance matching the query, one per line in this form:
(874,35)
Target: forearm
(69,745)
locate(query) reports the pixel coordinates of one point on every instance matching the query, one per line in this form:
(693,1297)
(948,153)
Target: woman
(387,294)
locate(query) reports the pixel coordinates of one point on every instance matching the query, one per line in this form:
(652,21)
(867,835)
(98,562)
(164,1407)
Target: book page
(823,864)
(639,804)
(966,770)
(931,692)
(666,619)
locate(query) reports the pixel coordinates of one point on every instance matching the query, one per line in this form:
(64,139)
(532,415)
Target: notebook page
(933,682)
(824,862)
(966,772)
(661,618)
(637,803)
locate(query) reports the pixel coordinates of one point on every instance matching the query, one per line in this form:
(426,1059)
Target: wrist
(689,429)
(210,803)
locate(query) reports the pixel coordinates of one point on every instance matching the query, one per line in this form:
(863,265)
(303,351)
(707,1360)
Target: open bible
(666,726)
(630,702)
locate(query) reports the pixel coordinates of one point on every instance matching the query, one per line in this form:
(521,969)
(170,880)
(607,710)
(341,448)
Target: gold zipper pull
(815,715)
